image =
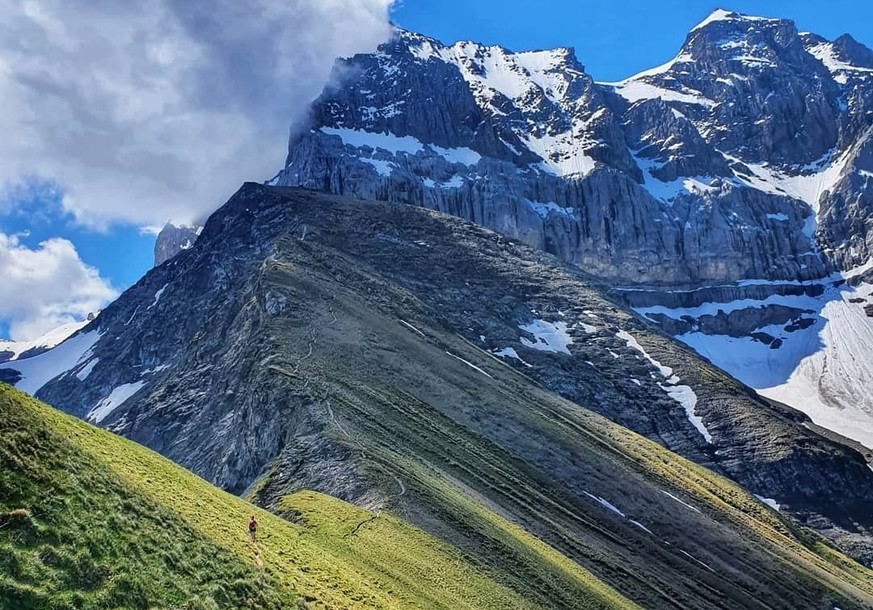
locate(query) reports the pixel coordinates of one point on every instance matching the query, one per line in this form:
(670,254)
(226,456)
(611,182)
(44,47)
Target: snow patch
(682,394)
(668,191)
(808,185)
(769,502)
(408,325)
(824,52)
(115,399)
(454,182)
(83,373)
(641,526)
(385,141)
(39,370)
(562,154)
(398,144)
(460,155)
(632,343)
(686,397)
(470,364)
(48,340)
(508,352)
(605,503)
(544,210)
(158,295)
(382,167)
(549,337)
(634,91)
(824,370)
(680,501)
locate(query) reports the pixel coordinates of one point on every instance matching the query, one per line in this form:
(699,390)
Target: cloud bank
(47,286)
(144,112)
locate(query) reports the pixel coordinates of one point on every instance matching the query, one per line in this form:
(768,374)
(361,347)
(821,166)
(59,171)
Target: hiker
(253,529)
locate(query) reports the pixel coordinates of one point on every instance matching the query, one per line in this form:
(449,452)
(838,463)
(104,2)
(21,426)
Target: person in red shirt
(253,529)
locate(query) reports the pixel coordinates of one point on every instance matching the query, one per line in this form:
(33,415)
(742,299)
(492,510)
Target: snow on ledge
(386,141)
(399,144)
(682,394)
(508,352)
(470,364)
(545,209)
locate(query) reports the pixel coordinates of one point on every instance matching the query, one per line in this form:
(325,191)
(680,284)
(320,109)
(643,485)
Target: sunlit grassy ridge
(90,520)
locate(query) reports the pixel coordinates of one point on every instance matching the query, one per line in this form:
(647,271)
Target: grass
(91,520)
(74,535)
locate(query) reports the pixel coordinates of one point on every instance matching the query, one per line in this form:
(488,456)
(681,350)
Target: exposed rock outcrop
(174,239)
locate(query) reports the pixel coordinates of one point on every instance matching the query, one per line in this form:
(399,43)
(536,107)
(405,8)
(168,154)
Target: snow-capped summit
(720,14)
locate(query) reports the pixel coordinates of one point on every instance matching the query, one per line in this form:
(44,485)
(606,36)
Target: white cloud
(43,288)
(144,112)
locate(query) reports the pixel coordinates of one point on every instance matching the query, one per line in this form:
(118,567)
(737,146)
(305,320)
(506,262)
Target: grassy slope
(110,524)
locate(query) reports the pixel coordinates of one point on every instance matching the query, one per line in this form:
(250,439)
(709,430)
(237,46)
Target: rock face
(172,240)
(738,171)
(744,157)
(264,351)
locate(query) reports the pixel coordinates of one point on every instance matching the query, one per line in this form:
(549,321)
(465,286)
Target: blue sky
(612,39)
(615,39)
(122,253)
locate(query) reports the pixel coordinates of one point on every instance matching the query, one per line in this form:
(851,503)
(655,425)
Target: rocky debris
(9,376)
(763,338)
(173,239)
(737,323)
(799,324)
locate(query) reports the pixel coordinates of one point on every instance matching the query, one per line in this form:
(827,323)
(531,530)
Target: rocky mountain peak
(173,239)
(723,27)
(852,52)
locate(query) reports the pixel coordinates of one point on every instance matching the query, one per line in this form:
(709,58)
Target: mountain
(14,350)
(479,375)
(418,365)
(90,520)
(734,178)
(173,239)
